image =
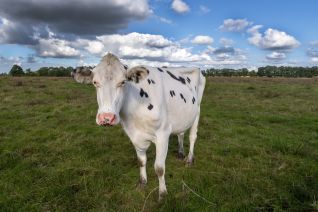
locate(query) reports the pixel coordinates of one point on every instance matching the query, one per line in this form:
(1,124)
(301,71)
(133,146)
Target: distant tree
(16,70)
(44,71)
(29,72)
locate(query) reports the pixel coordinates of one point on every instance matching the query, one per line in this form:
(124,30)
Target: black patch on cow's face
(188,79)
(193,100)
(172,93)
(150,106)
(180,79)
(143,93)
(159,69)
(182,97)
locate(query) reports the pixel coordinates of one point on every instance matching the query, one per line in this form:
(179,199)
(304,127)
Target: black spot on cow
(180,79)
(188,79)
(150,106)
(159,69)
(172,93)
(151,81)
(193,100)
(125,67)
(143,93)
(182,97)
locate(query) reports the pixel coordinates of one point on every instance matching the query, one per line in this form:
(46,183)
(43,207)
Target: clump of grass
(17,83)
(250,88)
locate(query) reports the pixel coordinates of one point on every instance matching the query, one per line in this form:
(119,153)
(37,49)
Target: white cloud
(164,20)
(156,50)
(272,39)
(138,46)
(225,56)
(202,40)
(204,9)
(234,25)
(180,6)
(11,60)
(314,43)
(53,47)
(95,47)
(314,59)
(226,42)
(312,52)
(276,56)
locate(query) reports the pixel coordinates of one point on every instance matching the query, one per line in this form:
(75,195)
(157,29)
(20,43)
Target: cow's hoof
(141,183)
(162,195)
(180,156)
(189,162)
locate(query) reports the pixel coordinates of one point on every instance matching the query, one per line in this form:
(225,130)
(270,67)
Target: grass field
(257,150)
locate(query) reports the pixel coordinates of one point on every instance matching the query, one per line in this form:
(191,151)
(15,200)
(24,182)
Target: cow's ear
(83,75)
(137,73)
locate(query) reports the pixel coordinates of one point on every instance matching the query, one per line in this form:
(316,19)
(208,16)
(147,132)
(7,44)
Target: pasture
(257,150)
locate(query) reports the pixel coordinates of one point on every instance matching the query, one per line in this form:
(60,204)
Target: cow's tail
(201,87)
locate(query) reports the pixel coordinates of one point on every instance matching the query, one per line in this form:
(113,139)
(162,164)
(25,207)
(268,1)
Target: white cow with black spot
(151,104)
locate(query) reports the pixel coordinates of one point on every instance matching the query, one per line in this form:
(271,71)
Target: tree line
(17,70)
(267,71)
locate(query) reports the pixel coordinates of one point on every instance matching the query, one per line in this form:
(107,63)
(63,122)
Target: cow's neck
(130,101)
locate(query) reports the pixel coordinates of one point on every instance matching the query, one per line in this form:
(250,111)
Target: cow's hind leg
(193,138)
(180,150)
(161,154)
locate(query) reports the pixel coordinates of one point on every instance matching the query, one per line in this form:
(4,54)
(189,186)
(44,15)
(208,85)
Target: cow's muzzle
(106,119)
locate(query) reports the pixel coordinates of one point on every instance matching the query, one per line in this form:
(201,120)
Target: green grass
(257,150)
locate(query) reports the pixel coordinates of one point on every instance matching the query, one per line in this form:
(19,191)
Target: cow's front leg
(161,154)
(142,161)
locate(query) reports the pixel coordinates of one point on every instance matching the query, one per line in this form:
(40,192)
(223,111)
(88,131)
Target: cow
(151,104)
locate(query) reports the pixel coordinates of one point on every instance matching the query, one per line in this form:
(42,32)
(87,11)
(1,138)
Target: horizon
(215,34)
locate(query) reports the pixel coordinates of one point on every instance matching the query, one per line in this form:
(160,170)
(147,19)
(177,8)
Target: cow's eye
(96,84)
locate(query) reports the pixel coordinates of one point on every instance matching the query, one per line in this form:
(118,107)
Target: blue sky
(216,33)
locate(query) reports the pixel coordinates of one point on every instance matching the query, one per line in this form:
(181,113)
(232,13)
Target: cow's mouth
(106,119)
(107,124)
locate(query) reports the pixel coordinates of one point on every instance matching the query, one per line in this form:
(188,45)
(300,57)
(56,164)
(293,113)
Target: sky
(201,33)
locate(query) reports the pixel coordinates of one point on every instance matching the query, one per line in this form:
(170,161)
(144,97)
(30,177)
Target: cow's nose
(106,118)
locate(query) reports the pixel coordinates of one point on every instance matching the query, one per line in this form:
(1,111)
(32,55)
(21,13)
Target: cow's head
(110,77)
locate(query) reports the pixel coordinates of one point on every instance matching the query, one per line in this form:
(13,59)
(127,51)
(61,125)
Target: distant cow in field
(83,74)
(150,103)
